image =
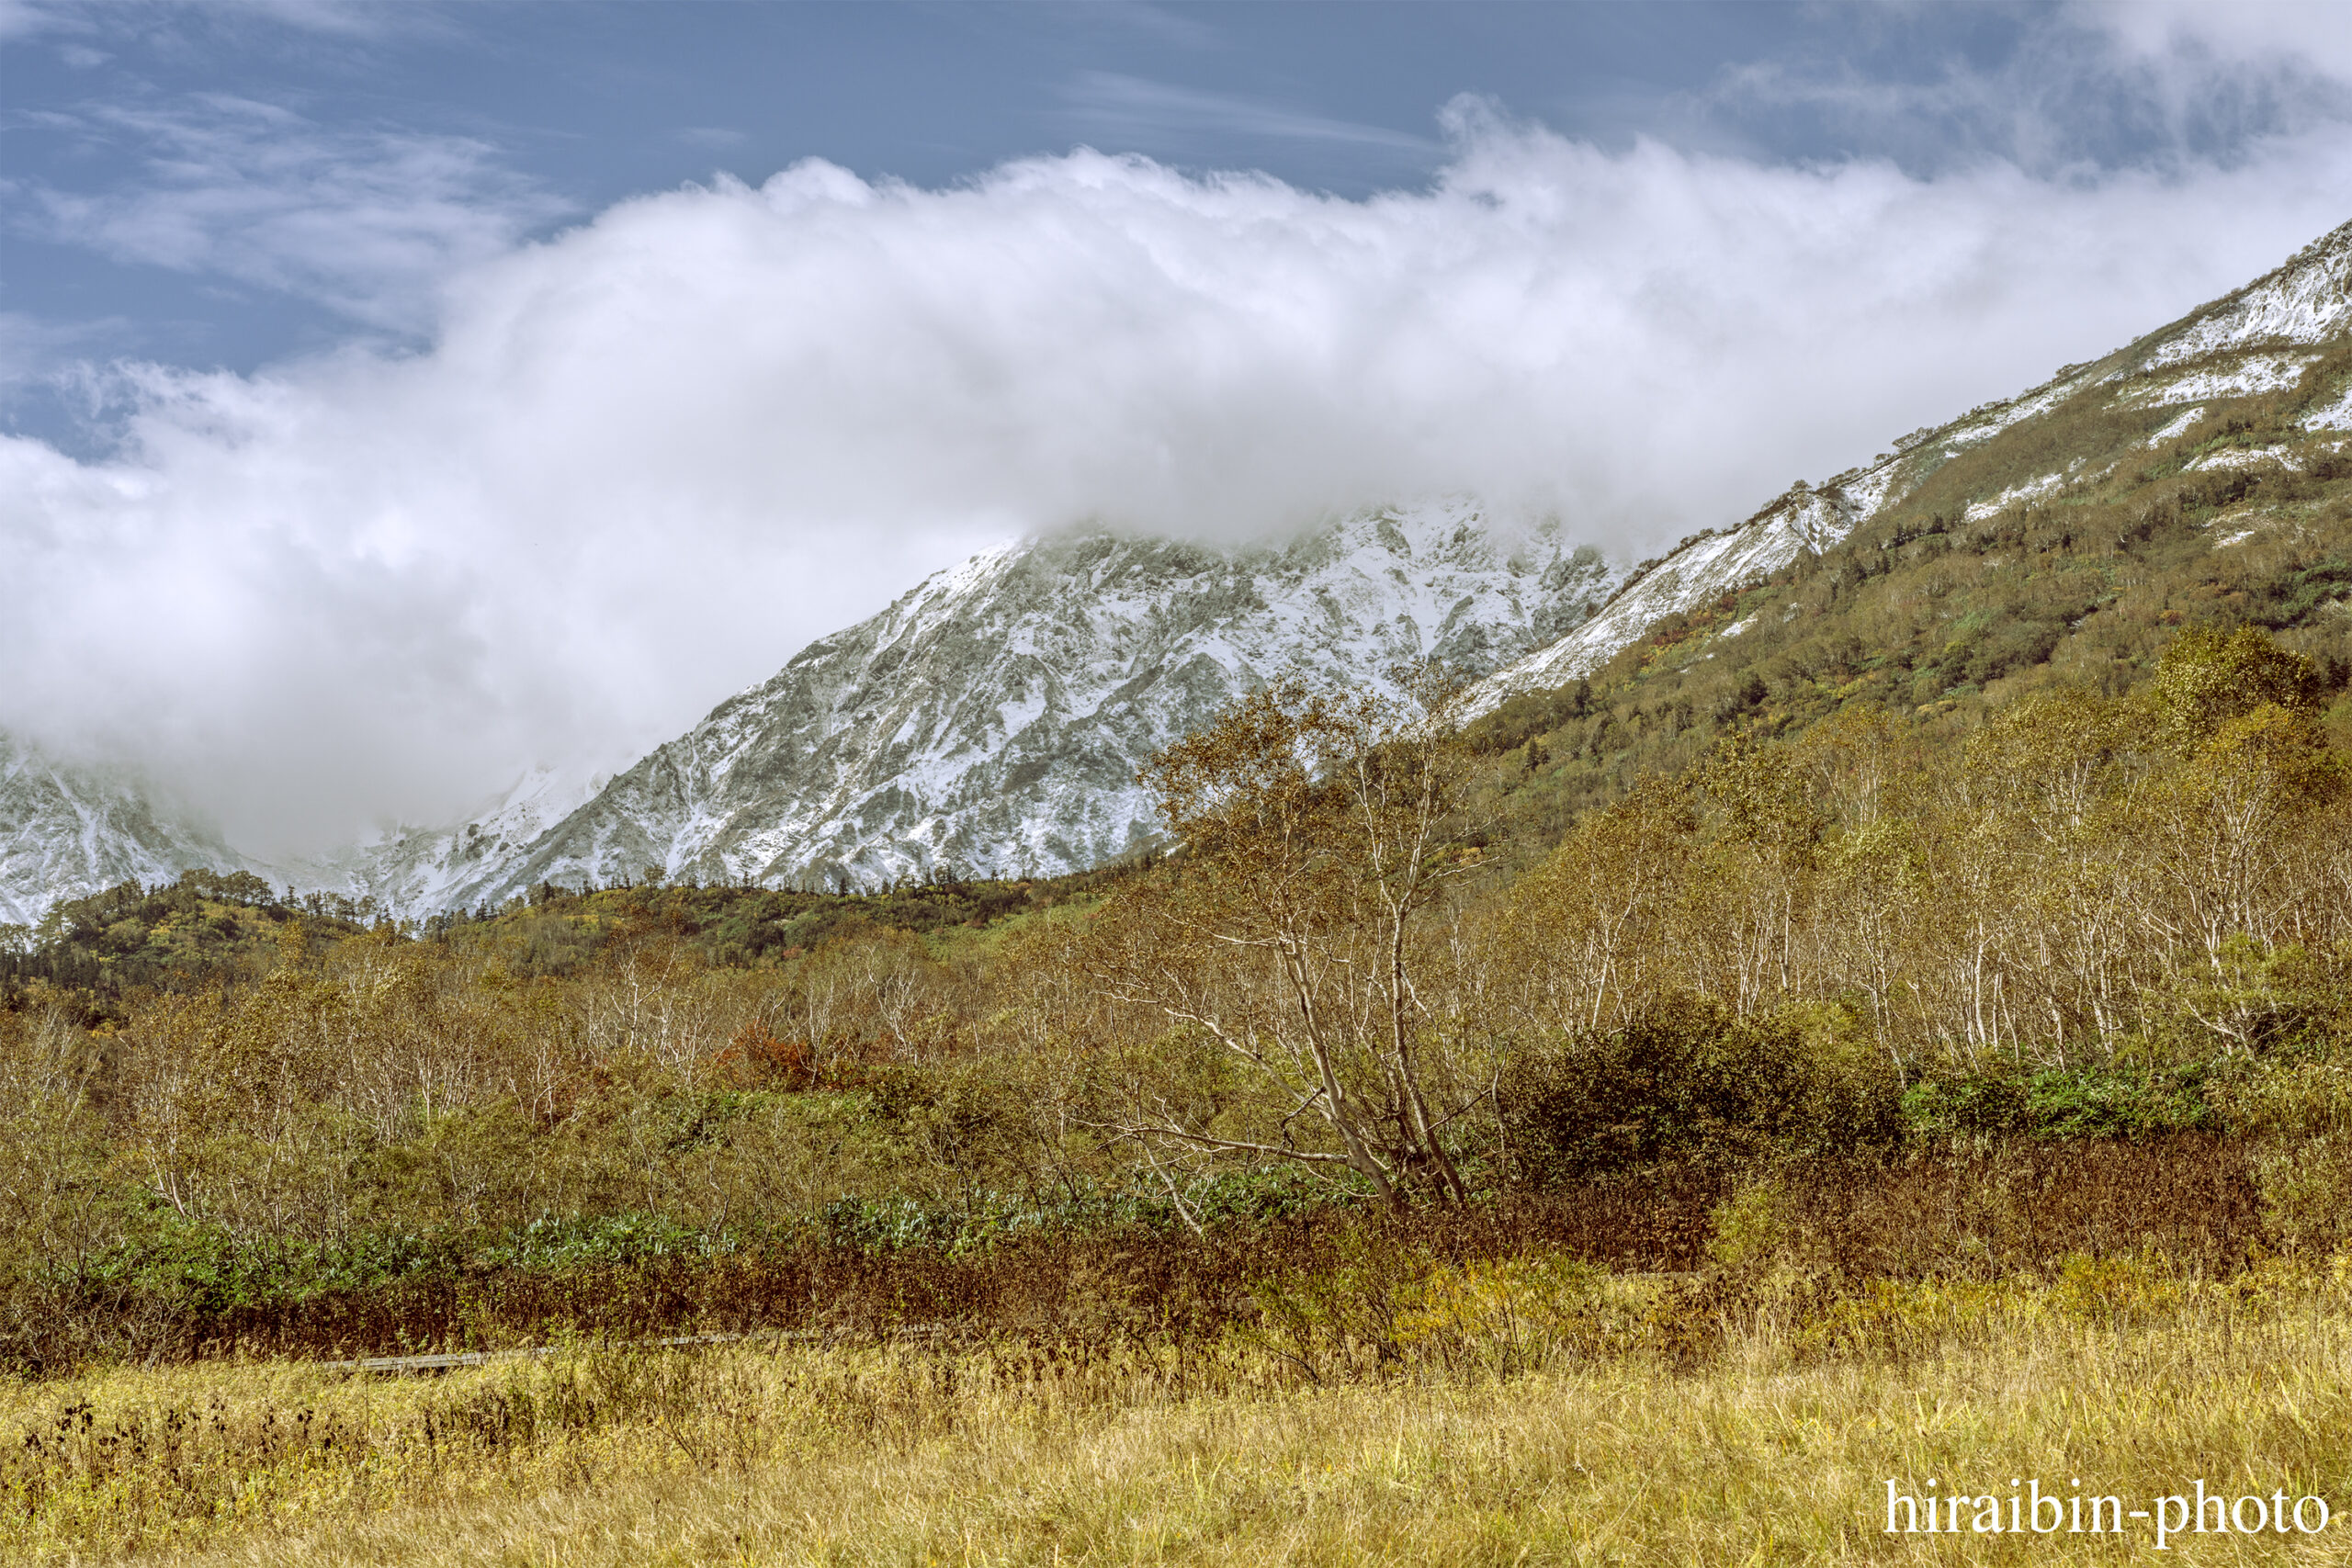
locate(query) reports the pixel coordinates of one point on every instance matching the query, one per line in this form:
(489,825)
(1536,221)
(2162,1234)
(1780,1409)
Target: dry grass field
(1528,1411)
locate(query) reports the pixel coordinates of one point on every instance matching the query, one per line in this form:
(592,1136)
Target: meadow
(1535,1409)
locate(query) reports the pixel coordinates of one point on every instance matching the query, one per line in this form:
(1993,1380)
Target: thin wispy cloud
(369,223)
(1179,29)
(1119,106)
(35,348)
(347,20)
(359,19)
(2087,88)
(2299,38)
(30,18)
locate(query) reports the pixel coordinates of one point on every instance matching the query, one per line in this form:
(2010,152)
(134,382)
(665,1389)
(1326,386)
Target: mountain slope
(991,721)
(2287,334)
(66,832)
(425,871)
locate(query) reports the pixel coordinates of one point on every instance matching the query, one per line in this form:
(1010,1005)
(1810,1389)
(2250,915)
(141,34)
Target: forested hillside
(1963,836)
(1996,830)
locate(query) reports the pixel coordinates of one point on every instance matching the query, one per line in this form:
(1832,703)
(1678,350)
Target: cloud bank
(642,463)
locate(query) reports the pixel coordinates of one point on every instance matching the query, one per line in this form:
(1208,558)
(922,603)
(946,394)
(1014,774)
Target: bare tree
(1316,827)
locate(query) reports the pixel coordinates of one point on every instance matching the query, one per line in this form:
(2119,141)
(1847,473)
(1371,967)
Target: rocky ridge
(990,721)
(66,830)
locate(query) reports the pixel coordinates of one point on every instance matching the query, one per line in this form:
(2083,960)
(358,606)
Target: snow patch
(2336,415)
(2254,373)
(2307,300)
(2031,490)
(2246,457)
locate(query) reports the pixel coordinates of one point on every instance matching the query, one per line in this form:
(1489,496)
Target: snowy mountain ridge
(991,720)
(422,870)
(2261,338)
(67,830)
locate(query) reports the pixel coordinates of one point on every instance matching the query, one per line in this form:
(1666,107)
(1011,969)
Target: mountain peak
(992,719)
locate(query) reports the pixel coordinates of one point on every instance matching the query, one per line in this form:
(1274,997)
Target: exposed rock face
(66,832)
(991,721)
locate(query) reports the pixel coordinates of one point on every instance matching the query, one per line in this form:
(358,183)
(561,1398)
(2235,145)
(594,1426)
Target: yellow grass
(1775,1446)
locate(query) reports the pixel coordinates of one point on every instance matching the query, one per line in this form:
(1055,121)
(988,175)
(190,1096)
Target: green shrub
(1687,1080)
(2106,1102)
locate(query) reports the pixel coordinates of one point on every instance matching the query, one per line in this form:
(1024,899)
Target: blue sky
(141,140)
(461,389)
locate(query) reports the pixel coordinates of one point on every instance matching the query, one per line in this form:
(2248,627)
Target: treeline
(91,956)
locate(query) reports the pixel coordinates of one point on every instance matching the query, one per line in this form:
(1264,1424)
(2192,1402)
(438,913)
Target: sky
(394,398)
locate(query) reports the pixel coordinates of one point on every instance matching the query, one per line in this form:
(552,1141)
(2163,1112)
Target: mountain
(2287,333)
(424,871)
(67,831)
(1700,568)
(991,721)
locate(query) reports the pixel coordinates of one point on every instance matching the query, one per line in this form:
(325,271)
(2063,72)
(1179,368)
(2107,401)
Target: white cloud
(645,461)
(2312,35)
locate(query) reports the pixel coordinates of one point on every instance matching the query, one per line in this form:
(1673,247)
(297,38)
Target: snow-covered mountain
(993,719)
(415,871)
(2269,337)
(68,831)
(1700,568)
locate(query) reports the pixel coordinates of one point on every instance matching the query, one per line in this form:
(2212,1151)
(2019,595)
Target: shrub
(1685,1079)
(2107,1102)
(2307,1193)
